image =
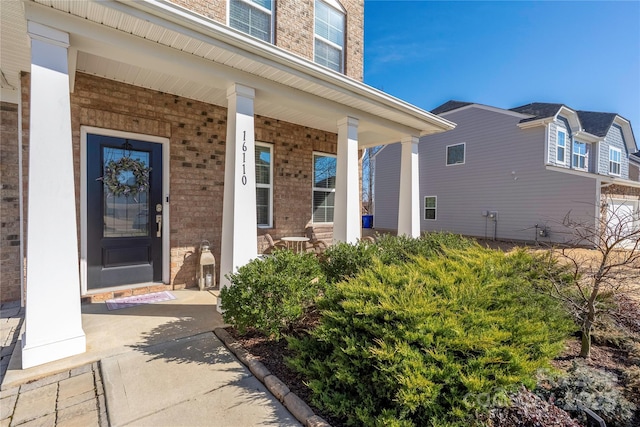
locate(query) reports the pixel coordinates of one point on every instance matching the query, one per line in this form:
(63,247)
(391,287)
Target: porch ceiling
(157,45)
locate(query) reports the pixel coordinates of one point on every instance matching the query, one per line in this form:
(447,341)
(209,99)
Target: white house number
(244,157)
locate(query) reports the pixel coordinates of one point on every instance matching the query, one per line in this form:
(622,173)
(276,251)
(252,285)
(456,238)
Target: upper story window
(615,160)
(455,154)
(324,187)
(329,36)
(254,17)
(561,145)
(580,155)
(264,184)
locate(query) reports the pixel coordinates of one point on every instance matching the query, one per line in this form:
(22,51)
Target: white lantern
(207,277)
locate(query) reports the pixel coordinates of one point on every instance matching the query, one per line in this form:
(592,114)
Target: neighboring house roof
(635,157)
(450,105)
(595,123)
(539,110)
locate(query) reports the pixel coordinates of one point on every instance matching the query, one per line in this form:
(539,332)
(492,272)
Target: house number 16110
(244,157)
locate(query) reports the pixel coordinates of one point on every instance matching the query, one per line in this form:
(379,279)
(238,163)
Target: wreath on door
(117,184)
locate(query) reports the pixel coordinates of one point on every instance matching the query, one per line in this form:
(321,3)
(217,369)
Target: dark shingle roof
(450,105)
(636,156)
(595,123)
(539,110)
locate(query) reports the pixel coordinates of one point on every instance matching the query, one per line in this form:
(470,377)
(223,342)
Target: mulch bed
(273,355)
(527,408)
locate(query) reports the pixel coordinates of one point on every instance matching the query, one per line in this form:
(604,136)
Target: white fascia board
(572,117)
(534,123)
(627,132)
(165,13)
(586,137)
(487,108)
(621,182)
(380,150)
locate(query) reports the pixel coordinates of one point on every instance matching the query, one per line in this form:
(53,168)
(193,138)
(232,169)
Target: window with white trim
(455,154)
(254,17)
(264,184)
(329,36)
(615,160)
(580,155)
(431,208)
(324,187)
(561,145)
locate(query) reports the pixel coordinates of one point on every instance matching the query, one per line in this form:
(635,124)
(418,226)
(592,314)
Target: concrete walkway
(152,365)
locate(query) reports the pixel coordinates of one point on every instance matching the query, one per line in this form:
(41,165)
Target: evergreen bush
(344,260)
(272,294)
(417,343)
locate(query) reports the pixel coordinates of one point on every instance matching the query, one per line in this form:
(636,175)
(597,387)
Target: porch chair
(314,244)
(273,244)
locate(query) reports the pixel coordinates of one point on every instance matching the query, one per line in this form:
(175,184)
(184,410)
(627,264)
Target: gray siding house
(514,174)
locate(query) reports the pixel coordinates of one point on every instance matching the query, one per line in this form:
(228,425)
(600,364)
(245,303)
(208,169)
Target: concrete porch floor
(161,364)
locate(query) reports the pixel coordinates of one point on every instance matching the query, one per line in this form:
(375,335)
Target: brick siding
(197,134)
(9,204)
(622,192)
(294,27)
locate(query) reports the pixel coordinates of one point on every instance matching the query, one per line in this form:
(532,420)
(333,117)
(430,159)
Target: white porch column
(346,216)
(409,198)
(239,217)
(53,318)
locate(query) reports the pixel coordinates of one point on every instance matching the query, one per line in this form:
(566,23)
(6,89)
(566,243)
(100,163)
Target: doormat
(132,301)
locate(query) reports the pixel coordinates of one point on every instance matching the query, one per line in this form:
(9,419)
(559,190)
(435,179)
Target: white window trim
(464,154)
(435,209)
(259,7)
(586,155)
(564,147)
(269,186)
(619,151)
(332,5)
(313,180)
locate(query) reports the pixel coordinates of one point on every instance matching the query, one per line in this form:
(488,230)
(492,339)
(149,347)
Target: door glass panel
(125,215)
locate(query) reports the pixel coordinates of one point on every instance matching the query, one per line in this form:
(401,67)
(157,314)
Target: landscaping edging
(290,400)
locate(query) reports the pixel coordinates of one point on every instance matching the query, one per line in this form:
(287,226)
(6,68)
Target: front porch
(212,97)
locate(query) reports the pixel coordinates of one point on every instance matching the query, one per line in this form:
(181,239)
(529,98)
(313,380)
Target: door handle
(159,224)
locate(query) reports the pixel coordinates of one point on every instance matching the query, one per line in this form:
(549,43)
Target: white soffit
(308,98)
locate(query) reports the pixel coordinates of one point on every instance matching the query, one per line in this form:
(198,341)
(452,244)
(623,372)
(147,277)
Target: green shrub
(413,343)
(344,260)
(592,388)
(272,294)
(400,249)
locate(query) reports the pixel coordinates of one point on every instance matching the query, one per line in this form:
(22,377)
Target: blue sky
(584,54)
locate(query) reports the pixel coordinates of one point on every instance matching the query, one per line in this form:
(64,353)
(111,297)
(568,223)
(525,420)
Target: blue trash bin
(367,221)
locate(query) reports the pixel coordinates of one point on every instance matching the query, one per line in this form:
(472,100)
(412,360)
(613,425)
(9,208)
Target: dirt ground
(587,259)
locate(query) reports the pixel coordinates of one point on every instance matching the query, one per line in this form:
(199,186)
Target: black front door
(124,212)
